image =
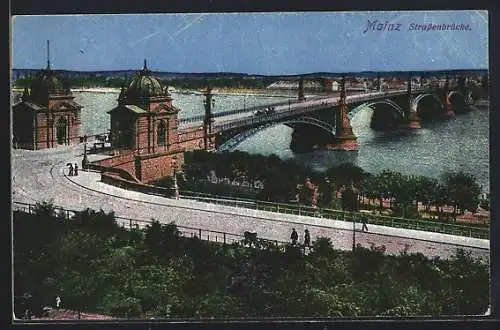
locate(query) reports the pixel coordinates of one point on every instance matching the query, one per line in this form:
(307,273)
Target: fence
(185,231)
(396,222)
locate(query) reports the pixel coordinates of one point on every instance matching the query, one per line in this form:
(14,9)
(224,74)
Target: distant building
(47,116)
(286,84)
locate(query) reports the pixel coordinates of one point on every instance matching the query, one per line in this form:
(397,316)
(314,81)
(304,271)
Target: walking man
(294,236)
(363,221)
(307,239)
(70,169)
(76,169)
(58,302)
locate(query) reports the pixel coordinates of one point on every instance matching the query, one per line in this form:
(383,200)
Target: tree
(404,193)
(387,183)
(368,187)
(345,174)
(463,192)
(349,199)
(424,190)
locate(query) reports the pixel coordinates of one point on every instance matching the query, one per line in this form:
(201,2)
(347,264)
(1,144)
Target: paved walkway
(42,176)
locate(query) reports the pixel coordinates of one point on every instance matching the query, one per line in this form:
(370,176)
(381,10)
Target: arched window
(161,133)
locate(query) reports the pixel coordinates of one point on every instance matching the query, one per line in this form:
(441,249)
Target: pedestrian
(294,236)
(363,221)
(70,170)
(307,239)
(76,169)
(58,302)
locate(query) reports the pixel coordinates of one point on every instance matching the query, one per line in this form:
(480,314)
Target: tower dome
(48,83)
(144,85)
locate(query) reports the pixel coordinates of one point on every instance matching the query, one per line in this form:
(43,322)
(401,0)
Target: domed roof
(48,82)
(144,84)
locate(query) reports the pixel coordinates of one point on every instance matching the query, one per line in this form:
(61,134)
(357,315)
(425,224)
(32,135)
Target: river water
(456,144)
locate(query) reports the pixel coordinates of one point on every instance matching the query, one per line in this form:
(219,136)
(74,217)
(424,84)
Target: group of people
(73,170)
(307,237)
(295,237)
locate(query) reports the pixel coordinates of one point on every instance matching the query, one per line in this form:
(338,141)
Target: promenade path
(42,176)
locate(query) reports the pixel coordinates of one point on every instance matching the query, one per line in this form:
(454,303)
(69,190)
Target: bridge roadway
(243,117)
(41,176)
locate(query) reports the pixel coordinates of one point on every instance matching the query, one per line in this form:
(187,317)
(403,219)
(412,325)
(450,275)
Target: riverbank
(241,91)
(96,90)
(215,91)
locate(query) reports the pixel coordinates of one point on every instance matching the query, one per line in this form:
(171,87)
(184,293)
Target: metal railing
(299,108)
(395,222)
(185,231)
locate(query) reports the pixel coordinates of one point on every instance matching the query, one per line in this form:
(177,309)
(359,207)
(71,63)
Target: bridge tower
(344,136)
(448,110)
(209,102)
(412,119)
(301,90)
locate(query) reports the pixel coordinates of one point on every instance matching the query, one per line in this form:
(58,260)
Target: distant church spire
(48,55)
(145,68)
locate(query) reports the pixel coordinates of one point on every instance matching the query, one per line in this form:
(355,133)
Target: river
(456,144)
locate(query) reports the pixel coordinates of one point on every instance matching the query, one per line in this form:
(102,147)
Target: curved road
(41,176)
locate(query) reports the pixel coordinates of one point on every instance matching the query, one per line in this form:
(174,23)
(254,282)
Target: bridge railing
(131,223)
(300,108)
(200,118)
(317,102)
(395,222)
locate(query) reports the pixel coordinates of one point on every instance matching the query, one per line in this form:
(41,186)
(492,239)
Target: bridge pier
(412,120)
(345,139)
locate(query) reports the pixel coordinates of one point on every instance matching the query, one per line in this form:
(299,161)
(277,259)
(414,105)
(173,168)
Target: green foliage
(462,191)
(158,273)
(349,200)
(235,174)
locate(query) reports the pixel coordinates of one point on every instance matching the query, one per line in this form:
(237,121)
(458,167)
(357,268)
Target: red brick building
(144,129)
(47,116)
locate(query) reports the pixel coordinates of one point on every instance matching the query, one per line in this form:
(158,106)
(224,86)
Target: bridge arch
(427,105)
(419,98)
(238,138)
(456,96)
(458,101)
(392,105)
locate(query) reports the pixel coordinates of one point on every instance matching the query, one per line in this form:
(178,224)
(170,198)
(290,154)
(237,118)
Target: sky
(253,43)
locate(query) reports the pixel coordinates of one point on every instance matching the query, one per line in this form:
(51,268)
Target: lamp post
(208,103)
(353,233)
(175,186)
(85,160)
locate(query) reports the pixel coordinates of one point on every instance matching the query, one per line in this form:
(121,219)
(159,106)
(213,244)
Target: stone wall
(191,139)
(151,167)
(120,182)
(122,165)
(140,168)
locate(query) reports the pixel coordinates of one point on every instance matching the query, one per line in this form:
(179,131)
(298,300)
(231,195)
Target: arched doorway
(61,130)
